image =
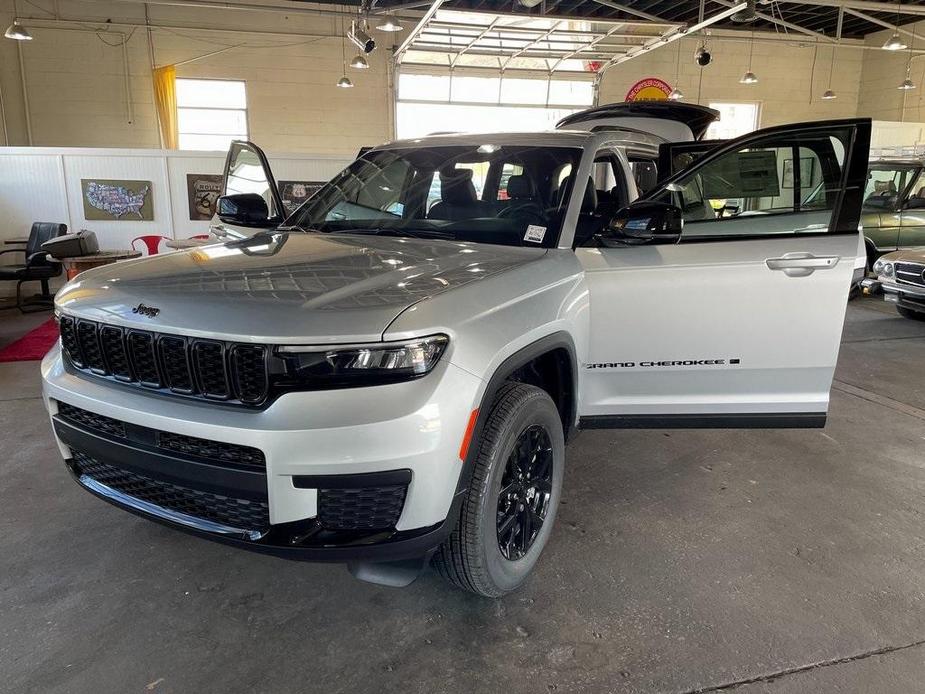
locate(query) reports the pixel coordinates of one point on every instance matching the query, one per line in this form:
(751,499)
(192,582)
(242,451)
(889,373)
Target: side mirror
(243,209)
(641,223)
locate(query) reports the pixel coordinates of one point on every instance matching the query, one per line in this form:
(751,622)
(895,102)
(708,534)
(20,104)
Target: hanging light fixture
(344,82)
(895,43)
(359,62)
(676,94)
(390,23)
(749,76)
(17,32)
(829,94)
(907,83)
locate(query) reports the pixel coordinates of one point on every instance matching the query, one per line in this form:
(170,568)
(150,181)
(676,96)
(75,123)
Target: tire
(472,557)
(910,314)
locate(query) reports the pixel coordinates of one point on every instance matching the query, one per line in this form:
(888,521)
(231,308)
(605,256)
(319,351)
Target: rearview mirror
(641,223)
(243,209)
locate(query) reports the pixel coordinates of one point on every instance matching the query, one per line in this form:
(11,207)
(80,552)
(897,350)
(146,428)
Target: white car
(391,377)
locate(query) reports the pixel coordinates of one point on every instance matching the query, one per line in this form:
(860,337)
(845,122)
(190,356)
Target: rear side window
(786,184)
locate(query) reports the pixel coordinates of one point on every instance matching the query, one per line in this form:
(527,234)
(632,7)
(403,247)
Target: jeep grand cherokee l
(390,377)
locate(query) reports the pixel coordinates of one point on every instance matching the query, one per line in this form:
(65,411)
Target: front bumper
(904,295)
(404,434)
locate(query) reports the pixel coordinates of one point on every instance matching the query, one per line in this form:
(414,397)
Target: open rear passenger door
(250,200)
(718,298)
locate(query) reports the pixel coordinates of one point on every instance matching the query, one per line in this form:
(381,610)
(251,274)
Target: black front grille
(244,514)
(910,273)
(235,373)
(91,420)
(370,508)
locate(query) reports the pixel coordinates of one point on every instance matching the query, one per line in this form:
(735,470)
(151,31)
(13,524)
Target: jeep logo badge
(148,311)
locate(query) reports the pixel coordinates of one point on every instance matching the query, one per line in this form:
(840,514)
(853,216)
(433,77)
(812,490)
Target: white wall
(43,185)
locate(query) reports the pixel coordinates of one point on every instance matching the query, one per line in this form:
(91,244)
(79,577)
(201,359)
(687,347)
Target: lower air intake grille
(213,450)
(236,513)
(371,508)
(910,273)
(90,420)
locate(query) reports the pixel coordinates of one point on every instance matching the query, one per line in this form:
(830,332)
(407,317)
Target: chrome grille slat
(910,273)
(232,372)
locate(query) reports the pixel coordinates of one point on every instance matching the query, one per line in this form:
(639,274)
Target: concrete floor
(683,561)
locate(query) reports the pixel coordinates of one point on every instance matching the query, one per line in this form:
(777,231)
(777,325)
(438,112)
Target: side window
(781,185)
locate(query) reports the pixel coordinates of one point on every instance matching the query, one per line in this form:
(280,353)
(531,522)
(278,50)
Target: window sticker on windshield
(535,233)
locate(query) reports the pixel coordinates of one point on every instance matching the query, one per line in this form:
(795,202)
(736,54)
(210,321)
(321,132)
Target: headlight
(883,267)
(361,365)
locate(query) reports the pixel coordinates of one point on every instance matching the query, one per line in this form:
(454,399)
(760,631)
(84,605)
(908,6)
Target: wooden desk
(75,265)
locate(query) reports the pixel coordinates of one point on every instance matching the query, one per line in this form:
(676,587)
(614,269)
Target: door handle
(801,264)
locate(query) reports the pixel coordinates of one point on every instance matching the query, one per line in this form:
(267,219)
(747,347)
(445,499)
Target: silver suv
(389,376)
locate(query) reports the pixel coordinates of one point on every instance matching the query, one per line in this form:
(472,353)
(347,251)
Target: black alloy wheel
(526,487)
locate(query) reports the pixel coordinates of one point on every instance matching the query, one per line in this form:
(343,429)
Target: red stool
(151,243)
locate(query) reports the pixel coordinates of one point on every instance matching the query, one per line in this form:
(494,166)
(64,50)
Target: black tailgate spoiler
(695,117)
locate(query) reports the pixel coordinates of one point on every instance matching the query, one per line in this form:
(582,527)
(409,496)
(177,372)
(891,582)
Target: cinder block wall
(75,80)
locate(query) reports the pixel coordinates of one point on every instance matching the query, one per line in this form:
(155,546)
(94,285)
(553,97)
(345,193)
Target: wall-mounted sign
(294,193)
(649,89)
(203,190)
(107,200)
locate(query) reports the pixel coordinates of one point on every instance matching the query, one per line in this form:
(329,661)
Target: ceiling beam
(636,13)
(409,39)
(888,7)
(781,22)
(674,36)
(879,22)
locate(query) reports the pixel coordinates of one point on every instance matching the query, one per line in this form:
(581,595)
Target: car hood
(912,255)
(285,288)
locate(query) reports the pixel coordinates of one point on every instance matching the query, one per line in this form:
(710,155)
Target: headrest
(456,187)
(589,200)
(519,187)
(921,193)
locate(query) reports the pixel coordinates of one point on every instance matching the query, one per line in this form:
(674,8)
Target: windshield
(511,195)
(885,184)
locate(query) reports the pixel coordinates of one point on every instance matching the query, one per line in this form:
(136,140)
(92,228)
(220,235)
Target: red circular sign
(649,89)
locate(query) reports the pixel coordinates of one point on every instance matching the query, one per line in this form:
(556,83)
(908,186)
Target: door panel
(739,323)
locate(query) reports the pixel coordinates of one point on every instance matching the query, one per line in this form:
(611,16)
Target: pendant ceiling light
(17,32)
(895,43)
(749,76)
(676,94)
(344,82)
(907,83)
(829,94)
(390,23)
(359,62)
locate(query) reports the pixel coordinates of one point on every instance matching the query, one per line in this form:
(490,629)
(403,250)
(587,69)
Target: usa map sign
(108,200)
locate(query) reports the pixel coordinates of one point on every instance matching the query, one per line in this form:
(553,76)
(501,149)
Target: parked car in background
(894,206)
(901,281)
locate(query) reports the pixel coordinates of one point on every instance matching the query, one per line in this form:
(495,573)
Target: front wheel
(910,314)
(507,515)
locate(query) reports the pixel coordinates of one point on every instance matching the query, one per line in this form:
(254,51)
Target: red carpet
(33,345)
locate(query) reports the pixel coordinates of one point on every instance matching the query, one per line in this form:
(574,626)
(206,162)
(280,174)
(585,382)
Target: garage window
(211,113)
